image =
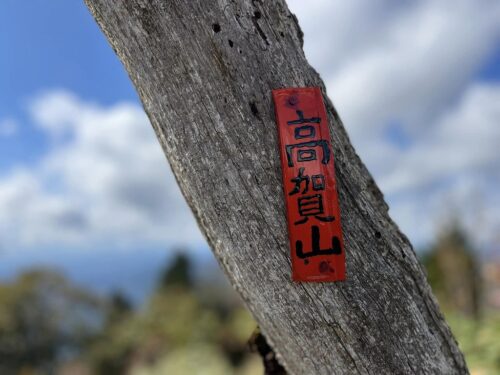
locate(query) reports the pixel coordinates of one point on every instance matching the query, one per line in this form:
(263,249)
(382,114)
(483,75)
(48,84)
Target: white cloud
(385,61)
(453,168)
(8,127)
(105,183)
(57,111)
(464,141)
(411,65)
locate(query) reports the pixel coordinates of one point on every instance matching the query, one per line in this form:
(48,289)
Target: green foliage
(479,340)
(172,322)
(46,323)
(184,328)
(178,273)
(453,272)
(195,359)
(179,331)
(43,317)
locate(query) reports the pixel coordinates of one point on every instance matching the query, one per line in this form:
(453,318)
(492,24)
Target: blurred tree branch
(258,343)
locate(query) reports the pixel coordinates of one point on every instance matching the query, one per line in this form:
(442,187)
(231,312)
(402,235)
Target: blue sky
(417,85)
(46,45)
(49,47)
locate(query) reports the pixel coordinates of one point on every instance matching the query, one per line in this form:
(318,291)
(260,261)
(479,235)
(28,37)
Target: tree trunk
(204,71)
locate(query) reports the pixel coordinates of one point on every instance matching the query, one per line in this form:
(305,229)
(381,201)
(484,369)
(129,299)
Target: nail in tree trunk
(204,71)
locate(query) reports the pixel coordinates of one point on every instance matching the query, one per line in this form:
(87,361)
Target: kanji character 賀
(312,205)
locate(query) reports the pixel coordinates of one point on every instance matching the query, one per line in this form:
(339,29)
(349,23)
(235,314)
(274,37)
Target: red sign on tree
(313,211)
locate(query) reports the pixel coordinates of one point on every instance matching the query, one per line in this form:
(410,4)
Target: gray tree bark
(204,71)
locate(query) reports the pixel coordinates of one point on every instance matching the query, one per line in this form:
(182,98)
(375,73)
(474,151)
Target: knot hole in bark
(253,108)
(216,27)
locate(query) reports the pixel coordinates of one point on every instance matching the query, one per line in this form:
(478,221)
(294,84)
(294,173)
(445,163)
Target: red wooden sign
(313,211)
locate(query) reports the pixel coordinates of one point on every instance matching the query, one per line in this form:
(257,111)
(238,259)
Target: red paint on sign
(313,212)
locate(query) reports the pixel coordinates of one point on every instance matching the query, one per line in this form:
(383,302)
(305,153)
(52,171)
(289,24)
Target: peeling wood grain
(204,71)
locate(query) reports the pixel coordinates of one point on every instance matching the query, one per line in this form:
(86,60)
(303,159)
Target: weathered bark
(204,71)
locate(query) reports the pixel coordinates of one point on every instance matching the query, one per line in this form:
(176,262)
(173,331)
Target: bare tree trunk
(204,71)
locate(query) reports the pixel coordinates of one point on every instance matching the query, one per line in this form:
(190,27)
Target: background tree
(43,319)
(176,331)
(178,273)
(453,272)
